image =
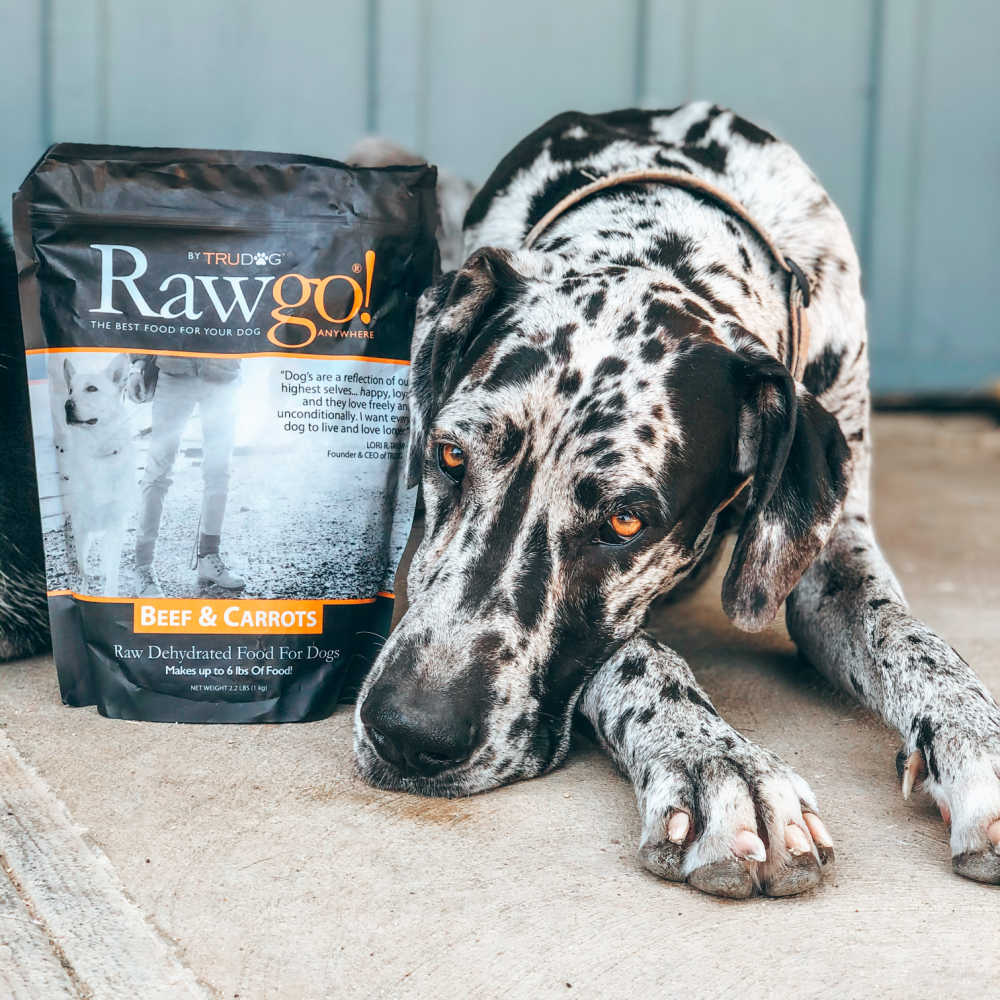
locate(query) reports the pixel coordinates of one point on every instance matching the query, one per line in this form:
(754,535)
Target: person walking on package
(176,385)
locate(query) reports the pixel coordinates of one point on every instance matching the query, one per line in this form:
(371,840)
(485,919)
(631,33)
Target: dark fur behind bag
(24,621)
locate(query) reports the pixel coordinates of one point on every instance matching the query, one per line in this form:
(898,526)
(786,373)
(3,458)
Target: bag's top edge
(77,151)
(226,187)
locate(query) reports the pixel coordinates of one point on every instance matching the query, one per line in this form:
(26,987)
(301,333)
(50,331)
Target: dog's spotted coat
(631,362)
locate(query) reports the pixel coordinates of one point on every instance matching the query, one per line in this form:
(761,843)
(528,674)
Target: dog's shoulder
(705,140)
(545,165)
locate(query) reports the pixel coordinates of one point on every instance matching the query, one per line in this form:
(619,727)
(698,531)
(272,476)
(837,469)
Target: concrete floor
(277,874)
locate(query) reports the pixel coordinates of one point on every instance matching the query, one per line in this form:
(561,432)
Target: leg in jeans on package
(218,423)
(173,404)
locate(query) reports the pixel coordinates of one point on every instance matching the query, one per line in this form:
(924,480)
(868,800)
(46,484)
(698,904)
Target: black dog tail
(24,623)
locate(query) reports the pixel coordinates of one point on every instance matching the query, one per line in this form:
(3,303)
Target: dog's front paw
(733,822)
(960,769)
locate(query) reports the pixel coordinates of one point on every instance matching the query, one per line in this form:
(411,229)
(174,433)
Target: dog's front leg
(850,619)
(717,811)
(81,543)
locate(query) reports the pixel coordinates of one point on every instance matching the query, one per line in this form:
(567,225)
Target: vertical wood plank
(401,53)
(800,70)
(76,73)
(497,71)
(937,234)
(21,95)
(893,184)
(668,56)
(244,75)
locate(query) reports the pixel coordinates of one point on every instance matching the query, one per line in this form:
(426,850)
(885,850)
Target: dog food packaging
(218,348)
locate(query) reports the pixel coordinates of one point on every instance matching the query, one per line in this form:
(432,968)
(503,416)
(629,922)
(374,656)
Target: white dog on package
(94,442)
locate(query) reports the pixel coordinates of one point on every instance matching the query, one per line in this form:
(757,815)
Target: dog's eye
(451,461)
(91,388)
(620,528)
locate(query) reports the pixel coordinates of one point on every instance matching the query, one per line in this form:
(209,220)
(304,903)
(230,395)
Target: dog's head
(576,437)
(94,397)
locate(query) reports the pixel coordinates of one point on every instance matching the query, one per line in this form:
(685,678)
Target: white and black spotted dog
(581,414)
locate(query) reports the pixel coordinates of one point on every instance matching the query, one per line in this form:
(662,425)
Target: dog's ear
(799,463)
(449,315)
(68,372)
(117,368)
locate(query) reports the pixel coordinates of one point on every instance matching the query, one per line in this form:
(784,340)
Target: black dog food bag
(218,349)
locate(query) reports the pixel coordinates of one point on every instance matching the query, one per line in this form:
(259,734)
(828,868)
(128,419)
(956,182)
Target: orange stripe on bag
(208,354)
(194,617)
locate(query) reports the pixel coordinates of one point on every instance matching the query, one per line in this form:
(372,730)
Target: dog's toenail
(818,830)
(945,813)
(747,844)
(993,832)
(913,771)
(796,841)
(677,827)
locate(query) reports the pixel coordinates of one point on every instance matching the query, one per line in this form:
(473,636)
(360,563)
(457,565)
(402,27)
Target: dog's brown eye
(91,388)
(625,525)
(451,460)
(621,528)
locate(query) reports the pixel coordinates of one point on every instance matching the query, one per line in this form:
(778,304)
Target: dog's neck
(112,440)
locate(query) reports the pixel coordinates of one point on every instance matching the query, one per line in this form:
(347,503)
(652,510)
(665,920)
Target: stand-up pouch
(217,362)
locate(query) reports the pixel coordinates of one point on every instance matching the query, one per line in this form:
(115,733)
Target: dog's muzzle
(72,418)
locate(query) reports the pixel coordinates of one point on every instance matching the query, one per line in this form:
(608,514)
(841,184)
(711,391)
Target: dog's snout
(421,733)
(70,410)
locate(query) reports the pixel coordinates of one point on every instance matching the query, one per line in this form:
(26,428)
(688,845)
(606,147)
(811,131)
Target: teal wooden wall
(895,104)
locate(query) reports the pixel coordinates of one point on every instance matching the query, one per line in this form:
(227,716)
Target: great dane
(598,394)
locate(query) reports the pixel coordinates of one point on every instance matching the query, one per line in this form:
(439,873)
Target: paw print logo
(260,259)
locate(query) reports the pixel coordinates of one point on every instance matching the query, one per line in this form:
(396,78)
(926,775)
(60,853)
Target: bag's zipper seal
(243,226)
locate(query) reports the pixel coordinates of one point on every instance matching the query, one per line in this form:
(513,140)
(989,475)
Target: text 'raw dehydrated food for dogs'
(217,358)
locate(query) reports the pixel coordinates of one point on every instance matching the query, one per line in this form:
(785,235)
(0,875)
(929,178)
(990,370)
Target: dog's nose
(422,733)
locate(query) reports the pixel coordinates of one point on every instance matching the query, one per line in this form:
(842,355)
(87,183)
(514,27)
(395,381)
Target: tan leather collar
(797,347)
